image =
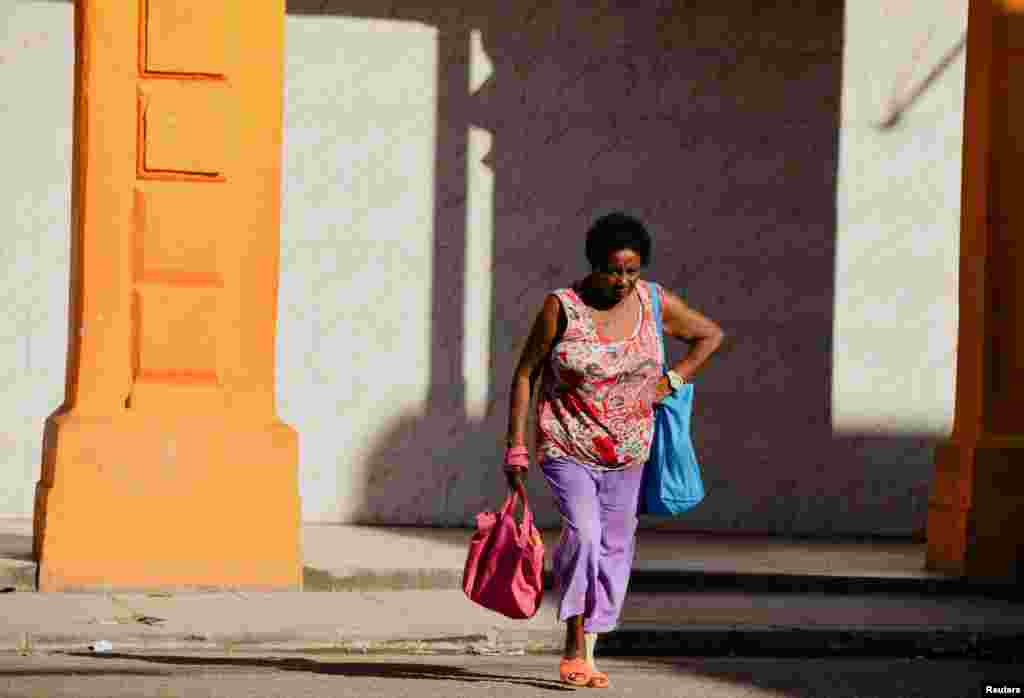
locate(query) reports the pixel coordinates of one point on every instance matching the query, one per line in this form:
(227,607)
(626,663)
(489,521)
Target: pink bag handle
(509,510)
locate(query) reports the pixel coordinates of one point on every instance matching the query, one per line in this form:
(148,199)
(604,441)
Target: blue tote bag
(671,481)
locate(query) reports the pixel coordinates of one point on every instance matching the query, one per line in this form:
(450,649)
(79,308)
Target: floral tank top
(596,402)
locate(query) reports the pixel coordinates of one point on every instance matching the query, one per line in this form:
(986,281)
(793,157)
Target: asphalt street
(298,675)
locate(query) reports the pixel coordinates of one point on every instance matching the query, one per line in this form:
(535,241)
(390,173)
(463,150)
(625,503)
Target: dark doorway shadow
(717,123)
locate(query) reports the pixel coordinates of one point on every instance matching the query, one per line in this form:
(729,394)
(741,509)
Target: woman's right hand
(517,462)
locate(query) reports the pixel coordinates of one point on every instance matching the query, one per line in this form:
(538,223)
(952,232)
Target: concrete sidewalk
(399,589)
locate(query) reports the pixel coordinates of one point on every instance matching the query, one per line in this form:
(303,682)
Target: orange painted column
(166,466)
(976,508)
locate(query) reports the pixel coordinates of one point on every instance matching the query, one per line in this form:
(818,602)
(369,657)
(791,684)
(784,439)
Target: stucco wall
(440,169)
(36,61)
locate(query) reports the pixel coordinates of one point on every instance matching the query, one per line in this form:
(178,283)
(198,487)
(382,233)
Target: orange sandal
(575,672)
(598,679)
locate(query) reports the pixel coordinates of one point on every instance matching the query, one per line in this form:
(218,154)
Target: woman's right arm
(538,346)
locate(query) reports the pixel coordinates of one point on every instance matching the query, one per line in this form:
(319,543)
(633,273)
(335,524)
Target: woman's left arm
(680,320)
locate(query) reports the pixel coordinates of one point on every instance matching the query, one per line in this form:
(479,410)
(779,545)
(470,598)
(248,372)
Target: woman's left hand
(662,389)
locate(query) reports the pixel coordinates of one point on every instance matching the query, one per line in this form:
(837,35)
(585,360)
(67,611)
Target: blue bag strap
(656,311)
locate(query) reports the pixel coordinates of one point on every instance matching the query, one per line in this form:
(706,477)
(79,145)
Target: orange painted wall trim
(949,502)
(972,528)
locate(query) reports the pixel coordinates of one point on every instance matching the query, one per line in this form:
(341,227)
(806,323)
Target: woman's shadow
(353,669)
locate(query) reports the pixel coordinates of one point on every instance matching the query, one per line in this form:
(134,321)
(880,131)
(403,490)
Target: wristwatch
(675,380)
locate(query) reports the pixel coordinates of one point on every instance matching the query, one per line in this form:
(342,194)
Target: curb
(655,580)
(20,575)
(375,579)
(498,644)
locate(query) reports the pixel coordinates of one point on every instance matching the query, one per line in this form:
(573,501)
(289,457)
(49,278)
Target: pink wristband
(517,458)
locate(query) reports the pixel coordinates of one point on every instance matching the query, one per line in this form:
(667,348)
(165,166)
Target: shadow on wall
(717,124)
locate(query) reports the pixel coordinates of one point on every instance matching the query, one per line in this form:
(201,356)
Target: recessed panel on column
(176,233)
(182,130)
(185,36)
(175,340)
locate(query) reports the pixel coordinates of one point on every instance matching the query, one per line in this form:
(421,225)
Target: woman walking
(596,348)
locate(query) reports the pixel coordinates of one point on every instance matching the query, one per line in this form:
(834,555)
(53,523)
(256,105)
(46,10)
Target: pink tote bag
(505,565)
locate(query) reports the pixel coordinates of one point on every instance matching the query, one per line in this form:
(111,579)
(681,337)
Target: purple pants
(594,555)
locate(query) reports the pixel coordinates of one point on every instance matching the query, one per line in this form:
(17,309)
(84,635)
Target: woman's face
(617,277)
